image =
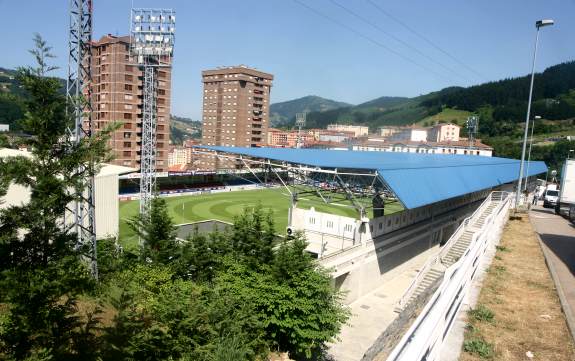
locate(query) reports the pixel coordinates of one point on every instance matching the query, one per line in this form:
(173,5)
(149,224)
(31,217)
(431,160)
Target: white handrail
(454,237)
(424,338)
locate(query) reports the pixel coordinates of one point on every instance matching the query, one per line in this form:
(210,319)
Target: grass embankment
(518,311)
(226,205)
(447,115)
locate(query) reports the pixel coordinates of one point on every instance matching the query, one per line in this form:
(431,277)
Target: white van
(550,198)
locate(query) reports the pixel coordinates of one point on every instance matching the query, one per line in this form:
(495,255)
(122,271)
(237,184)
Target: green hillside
(182,128)
(447,115)
(284,112)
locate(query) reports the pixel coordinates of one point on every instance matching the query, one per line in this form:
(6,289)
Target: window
(129,77)
(127,115)
(127,87)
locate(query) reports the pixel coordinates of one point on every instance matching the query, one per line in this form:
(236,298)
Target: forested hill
(553,82)
(282,113)
(500,103)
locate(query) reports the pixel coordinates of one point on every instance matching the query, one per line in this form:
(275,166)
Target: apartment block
(235,109)
(117,97)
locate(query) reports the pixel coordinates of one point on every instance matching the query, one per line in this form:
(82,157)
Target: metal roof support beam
(251,171)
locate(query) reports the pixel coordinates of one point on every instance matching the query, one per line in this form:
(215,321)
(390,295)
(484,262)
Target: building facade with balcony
(235,111)
(117,96)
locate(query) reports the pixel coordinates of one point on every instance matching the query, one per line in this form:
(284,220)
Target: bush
(482,313)
(479,347)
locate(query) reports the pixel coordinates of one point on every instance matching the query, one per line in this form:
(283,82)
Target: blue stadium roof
(417,179)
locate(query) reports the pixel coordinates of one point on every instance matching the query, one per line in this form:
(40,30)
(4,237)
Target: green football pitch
(225,206)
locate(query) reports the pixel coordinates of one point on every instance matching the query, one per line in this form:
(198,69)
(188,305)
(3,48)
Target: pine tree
(157,233)
(41,272)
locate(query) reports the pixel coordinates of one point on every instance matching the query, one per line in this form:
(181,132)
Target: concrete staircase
(430,277)
(483,216)
(455,249)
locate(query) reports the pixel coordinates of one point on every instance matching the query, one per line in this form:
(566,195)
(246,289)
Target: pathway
(558,242)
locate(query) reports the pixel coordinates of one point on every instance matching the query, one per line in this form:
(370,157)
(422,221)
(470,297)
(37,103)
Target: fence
(425,337)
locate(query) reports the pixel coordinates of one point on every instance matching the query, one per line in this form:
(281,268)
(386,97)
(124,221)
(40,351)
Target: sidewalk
(372,313)
(558,244)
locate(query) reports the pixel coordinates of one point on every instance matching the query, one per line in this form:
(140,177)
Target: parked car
(550,198)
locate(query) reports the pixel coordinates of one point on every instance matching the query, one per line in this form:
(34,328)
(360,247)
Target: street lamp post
(539,24)
(537,117)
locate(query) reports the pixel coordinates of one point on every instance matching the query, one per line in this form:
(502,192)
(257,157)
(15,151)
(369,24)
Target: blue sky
(309,54)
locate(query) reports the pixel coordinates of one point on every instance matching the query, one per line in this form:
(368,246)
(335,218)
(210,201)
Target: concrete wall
(383,246)
(107,206)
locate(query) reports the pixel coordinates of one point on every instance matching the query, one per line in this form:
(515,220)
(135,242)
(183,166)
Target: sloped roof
(416,179)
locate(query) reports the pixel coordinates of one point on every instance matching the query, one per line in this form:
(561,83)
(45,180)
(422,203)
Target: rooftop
(416,179)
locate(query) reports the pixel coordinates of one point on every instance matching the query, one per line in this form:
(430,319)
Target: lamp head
(544,22)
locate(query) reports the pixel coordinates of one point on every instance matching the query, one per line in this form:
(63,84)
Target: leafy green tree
(157,232)
(201,256)
(164,318)
(252,237)
(295,300)
(41,273)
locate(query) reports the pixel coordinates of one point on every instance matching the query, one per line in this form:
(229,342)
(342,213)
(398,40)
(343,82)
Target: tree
(40,266)
(157,232)
(252,237)
(293,298)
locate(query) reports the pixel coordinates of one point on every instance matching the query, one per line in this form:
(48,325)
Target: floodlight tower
(300,123)
(152,45)
(79,97)
(472,125)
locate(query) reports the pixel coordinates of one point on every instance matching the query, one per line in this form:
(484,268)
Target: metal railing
(425,337)
(437,258)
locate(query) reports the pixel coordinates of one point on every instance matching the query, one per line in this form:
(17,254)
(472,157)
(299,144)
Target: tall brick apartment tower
(235,109)
(117,97)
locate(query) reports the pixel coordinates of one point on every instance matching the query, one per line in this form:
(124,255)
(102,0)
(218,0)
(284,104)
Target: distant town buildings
(117,97)
(444,132)
(179,156)
(288,138)
(410,134)
(463,147)
(235,108)
(4,127)
(358,130)
(335,136)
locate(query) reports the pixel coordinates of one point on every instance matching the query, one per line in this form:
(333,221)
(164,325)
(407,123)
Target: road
(558,242)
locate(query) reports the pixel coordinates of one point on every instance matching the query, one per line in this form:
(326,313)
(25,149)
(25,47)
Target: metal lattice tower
(148,151)
(152,45)
(300,123)
(79,96)
(472,127)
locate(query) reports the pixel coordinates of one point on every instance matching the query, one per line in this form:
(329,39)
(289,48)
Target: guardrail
(425,337)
